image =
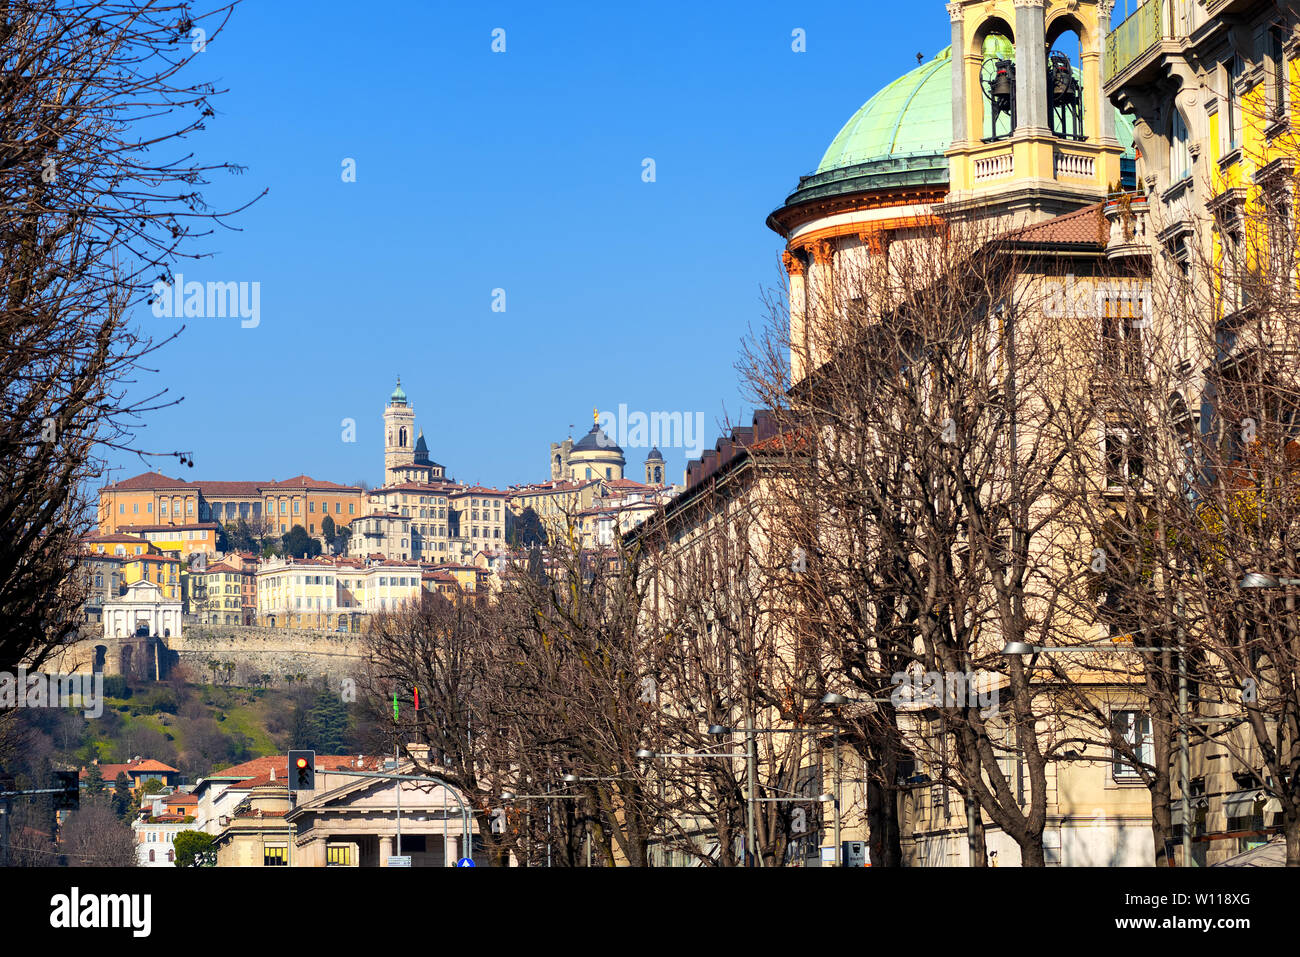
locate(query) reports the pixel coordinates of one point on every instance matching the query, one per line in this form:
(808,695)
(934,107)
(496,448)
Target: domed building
(596,455)
(1014,132)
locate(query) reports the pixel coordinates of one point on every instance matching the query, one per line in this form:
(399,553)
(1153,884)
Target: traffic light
(69,799)
(302,771)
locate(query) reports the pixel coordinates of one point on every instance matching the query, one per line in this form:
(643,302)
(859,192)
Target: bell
(1002,84)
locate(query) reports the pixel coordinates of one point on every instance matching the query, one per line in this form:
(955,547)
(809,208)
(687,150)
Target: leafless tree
(99,196)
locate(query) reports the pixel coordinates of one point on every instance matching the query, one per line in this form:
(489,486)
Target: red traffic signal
(302,771)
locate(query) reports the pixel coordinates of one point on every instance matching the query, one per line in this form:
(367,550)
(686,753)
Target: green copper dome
(911,115)
(398,397)
(898,138)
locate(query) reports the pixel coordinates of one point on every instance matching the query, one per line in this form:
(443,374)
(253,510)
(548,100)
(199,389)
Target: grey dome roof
(655,455)
(596,441)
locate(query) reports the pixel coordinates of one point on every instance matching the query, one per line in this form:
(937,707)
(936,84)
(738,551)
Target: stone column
(385,849)
(956,15)
(1107,125)
(1031,68)
(451,852)
(794,267)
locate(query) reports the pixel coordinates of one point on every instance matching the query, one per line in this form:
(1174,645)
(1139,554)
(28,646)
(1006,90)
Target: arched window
(997,80)
(151,855)
(1065,79)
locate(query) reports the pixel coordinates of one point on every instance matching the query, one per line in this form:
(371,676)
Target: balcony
(1129,218)
(1136,38)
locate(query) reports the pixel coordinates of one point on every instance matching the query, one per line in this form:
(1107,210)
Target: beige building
(349,820)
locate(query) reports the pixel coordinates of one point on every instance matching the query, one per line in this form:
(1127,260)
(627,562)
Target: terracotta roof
(169,528)
(260,768)
(306,481)
(147,480)
(231,488)
(480,490)
(138,766)
(1083,227)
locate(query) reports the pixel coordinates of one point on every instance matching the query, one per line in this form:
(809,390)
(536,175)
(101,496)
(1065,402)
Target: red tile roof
(131,768)
(147,480)
(306,481)
(1083,227)
(204,526)
(231,488)
(259,769)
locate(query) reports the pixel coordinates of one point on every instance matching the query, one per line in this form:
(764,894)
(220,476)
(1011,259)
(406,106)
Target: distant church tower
(399,432)
(654,468)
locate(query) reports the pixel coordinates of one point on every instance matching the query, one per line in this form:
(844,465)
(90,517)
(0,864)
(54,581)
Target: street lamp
(1259,580)
(1184,747)
(834,700)
(751,771)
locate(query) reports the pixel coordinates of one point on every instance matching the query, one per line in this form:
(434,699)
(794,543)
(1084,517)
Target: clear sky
(519,171)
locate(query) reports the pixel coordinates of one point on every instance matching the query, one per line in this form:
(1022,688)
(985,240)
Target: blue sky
(519,171)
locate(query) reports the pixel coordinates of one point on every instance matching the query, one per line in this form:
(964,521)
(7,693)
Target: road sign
(466,862)
(403,861)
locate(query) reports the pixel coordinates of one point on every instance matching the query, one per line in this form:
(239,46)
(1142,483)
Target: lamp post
(646,754)
(837,700)
(1184,746)
(751,770)
(510,796)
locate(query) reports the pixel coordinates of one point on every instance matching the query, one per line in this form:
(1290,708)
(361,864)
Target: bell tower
(1033,133)
(399,432)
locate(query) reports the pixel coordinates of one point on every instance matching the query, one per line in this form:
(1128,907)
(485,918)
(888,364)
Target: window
(338,855)
(275,857)
(1233,120)
(338,507)
(296,505)
(151,855)
(1134,729)
(1278,68)
(311,507)
(135,508)
(1124,457)
(149,507)
(352,507)
(1180,149)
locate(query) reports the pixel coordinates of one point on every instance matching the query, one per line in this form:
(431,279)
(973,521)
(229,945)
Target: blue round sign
(466,862)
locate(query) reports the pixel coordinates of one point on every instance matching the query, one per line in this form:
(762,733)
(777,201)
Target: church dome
(597,441)
(912,115)
(398,397)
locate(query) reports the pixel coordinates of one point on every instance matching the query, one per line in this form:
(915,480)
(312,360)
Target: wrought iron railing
(1134,37)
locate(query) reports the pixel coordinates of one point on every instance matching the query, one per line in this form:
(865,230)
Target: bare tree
(932,434)
(95,837)
(98,198)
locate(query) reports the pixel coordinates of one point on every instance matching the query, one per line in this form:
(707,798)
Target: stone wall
(274,651)
(250,649)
